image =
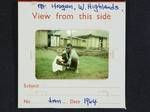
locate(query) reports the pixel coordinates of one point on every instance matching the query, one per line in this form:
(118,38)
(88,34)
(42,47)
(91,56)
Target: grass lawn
(90,67)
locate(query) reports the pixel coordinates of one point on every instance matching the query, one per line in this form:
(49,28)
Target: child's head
(59,51)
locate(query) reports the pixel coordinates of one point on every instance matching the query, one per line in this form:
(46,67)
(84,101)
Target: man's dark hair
(69,45)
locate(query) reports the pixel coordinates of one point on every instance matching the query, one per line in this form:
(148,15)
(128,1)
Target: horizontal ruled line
(71,1)
(79,87)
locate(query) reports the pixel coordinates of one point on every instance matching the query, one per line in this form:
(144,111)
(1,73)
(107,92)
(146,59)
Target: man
(71,57)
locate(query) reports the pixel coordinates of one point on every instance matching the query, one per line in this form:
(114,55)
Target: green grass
(90,67)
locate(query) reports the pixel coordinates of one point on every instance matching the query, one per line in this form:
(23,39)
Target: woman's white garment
(55,66)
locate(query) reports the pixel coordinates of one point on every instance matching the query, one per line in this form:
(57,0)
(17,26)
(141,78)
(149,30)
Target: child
(57,64)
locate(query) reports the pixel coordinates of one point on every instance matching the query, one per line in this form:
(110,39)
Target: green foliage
(90,67)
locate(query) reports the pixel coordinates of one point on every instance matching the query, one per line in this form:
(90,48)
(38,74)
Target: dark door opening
(101,43)
(49,40)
